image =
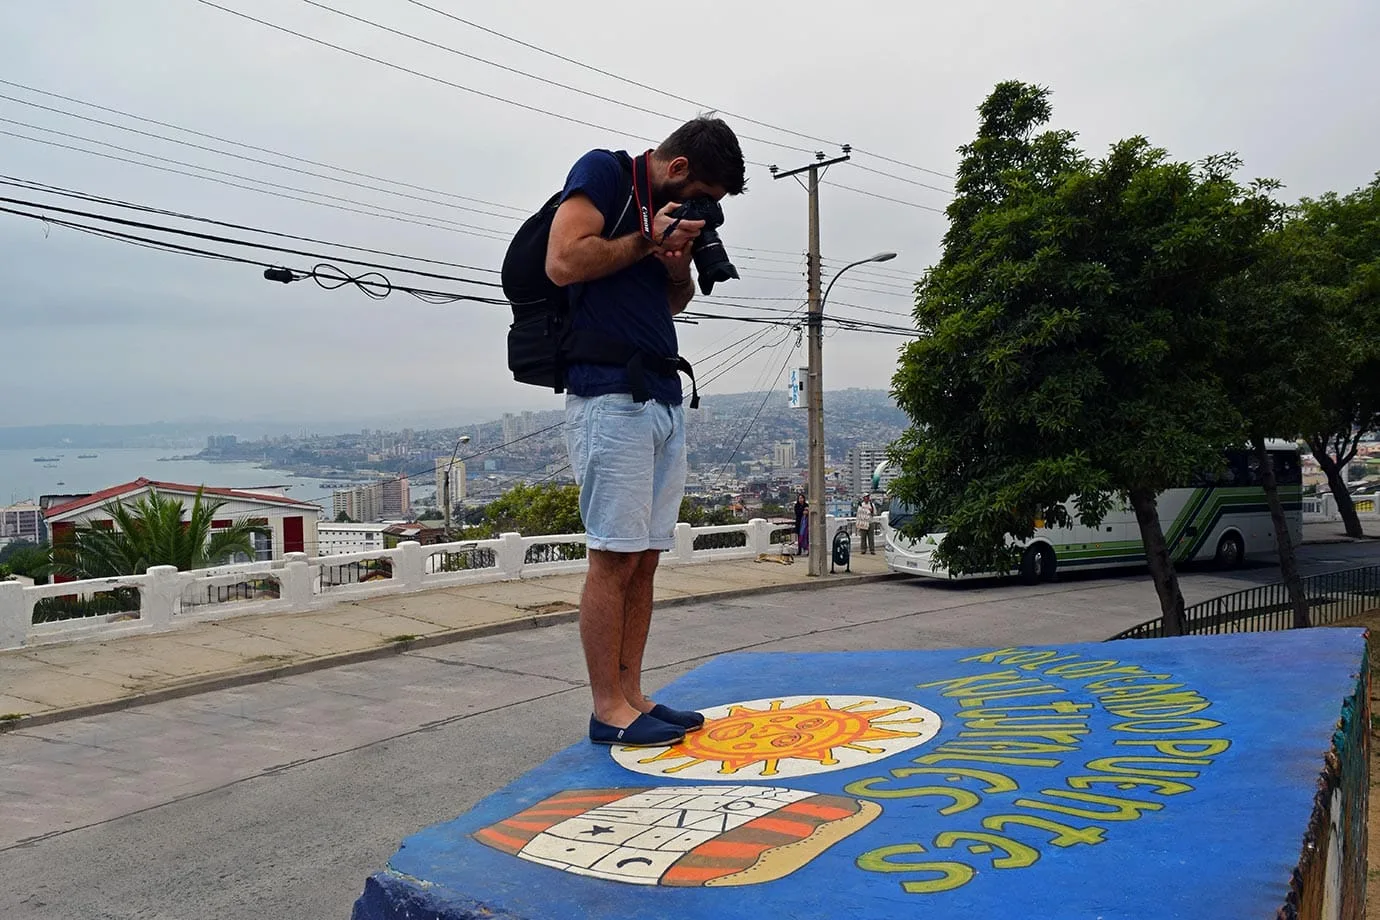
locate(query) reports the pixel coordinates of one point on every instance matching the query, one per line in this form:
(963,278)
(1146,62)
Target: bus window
(1287,469)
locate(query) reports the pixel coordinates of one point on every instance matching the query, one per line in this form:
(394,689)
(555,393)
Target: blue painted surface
(1224,846)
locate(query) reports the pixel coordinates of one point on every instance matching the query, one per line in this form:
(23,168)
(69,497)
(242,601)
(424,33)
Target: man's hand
(673,235)
(677,264)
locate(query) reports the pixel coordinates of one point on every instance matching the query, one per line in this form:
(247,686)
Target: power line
(246,146)
(147,209)
(429,296)
(267,182)
(661,92)
(417,73)
(214,238)
(879,172)
(909,204)
(746,431)
(460,86)
(425,222)
(249,159)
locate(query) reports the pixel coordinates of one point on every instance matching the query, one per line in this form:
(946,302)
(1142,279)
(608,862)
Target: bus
(1222,519)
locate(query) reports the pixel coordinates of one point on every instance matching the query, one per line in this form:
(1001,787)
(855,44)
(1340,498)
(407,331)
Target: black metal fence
(538,553)
(77,606)
(1331,596)
(734,539)
(251,589)
(355,573)
(465,559)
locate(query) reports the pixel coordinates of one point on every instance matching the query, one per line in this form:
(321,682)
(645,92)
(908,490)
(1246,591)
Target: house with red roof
(291,523)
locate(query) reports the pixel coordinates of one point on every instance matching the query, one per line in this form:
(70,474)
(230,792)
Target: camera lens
(711,261)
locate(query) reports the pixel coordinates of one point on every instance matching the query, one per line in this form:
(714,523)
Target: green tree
(1270,356)
(343,518)
(152,531)
(431,514)
(534,510)
(1341,237)
(22,557)
(1069,337)
(691,512)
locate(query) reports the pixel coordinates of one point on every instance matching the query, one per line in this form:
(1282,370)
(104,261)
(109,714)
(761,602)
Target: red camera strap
(642,190)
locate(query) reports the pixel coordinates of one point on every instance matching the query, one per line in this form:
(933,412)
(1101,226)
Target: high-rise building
(510,428)
(783,455)
(361,504)
(862,461)
(529,423)
(396,500)
(22,522)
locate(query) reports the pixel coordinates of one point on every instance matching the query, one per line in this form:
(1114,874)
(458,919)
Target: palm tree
(152,532)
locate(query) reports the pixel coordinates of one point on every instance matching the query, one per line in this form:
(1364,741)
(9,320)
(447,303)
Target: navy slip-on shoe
(645,731)
(687,719)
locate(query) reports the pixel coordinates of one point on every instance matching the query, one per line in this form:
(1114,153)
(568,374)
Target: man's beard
(671,191)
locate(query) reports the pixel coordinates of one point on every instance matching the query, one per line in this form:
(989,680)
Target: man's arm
(680,293)
(577,251)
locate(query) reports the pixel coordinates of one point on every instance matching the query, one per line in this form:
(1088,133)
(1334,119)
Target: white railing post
(684,551)
(14,615)
(409,565)
(161,591)
(295,581)
(511,555)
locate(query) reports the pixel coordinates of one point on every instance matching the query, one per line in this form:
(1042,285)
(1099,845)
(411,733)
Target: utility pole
(815,385)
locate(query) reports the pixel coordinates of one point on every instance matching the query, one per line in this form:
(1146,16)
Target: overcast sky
(98,331)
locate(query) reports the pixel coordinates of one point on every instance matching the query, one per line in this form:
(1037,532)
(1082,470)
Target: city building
(422,532)
(510,428)
(396,500)
(22,522)
(292,525)
(862,461)
(783,455)
(363,503)
(221,441)
(334,539)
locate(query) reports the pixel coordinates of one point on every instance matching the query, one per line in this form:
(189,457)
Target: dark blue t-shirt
(631,305)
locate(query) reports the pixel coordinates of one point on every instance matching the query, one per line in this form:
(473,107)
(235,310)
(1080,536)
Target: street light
(464,439)
(818,539)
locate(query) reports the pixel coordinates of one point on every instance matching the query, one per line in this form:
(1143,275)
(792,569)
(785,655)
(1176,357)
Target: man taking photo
(628,261)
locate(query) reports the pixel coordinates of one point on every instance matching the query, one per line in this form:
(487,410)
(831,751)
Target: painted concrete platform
(1174,778)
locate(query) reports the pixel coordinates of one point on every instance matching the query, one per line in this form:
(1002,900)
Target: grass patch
(12,716)
(405,637)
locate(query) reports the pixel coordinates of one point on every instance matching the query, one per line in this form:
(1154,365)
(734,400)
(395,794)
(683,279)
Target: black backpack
(542,341)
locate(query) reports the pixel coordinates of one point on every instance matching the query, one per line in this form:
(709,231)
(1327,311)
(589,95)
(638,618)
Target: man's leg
(604,631)
(637,623)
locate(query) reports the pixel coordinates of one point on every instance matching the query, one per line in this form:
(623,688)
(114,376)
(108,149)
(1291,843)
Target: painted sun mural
(787,736)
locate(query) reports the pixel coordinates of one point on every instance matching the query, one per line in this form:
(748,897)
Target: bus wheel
(1037,564)
(1231,552)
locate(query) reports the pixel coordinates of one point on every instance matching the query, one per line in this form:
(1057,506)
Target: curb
(196,685)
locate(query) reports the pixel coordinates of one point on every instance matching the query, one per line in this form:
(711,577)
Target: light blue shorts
(629,459)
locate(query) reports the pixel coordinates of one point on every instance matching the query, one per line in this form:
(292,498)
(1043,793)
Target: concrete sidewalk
(48,683)
(1335,532)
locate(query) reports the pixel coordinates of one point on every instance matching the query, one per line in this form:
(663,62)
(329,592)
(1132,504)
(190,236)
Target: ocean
(67,472)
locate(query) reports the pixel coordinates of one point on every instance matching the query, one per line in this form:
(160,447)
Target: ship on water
(87,456)
(46,459)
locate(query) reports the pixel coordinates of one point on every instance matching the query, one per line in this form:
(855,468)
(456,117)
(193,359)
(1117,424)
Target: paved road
(277,799)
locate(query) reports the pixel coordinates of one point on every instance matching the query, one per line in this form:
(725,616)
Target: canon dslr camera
(711,259)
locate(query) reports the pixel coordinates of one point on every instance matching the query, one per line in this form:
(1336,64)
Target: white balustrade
(308,582)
